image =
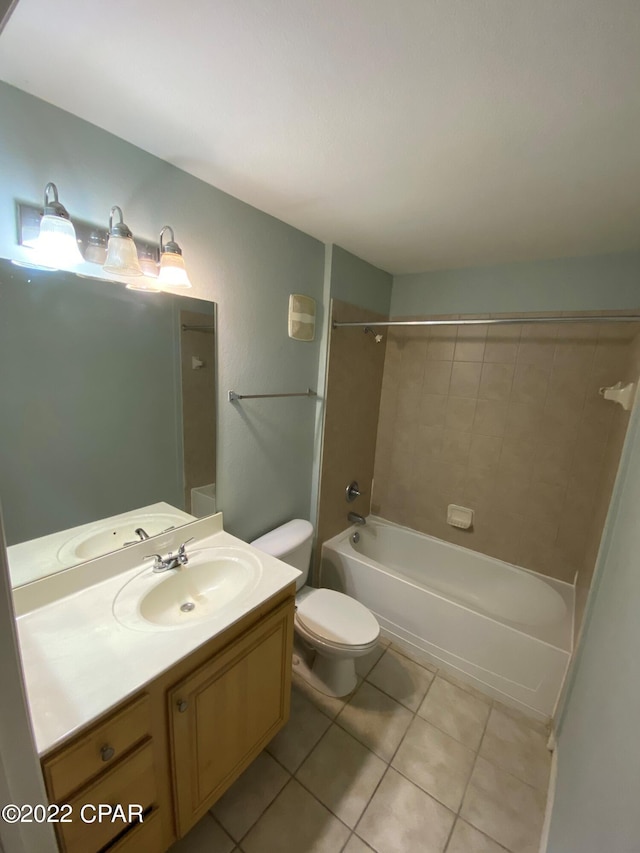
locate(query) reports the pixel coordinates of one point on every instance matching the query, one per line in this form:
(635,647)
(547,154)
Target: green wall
(598,782)
(242,259)
(599,282)
(358,282)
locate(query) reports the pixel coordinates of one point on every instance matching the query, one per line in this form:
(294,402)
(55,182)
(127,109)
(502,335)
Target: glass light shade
(57,245)
(148,266)
(95,253)
(173,272)
(96,249)
(122,257)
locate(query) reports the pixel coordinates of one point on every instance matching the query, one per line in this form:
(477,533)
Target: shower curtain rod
(496,321)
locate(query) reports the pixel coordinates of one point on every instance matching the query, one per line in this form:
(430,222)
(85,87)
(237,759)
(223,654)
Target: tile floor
(412,762)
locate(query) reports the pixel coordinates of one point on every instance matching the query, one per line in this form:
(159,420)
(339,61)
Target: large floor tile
(329,705)
(207,836)
(401,818)
(250,795)
(464,685)
(414,655)
(401,678)
(504,808)
(531,722)
(356,845)
(466,839)
(517,748)
(298,823)
(304,729)
(436,762)
(342,774)
(376,720)
(456,712)
(366,663)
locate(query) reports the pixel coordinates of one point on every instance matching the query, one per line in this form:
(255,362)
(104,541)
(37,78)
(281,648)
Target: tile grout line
(495,763)
(437,672)
(414,714)
(387,763)
(456,814)
(466,787)
(302,785)
(404,707)
(264,811)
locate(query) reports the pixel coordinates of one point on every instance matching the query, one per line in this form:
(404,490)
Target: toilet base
(332,676)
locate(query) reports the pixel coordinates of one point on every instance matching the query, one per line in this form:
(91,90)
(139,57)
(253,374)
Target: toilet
(338,627)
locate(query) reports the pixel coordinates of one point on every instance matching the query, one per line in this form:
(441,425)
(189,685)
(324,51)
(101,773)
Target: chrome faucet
(142,534)
(356,518)
(163,564)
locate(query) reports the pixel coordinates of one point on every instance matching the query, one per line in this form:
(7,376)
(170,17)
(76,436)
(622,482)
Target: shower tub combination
(504,629)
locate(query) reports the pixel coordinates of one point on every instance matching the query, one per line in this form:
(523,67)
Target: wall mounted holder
(460,516)
(619,393)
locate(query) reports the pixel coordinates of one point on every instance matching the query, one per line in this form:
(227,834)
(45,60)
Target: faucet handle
(158,562)
(352,491)
(183,558)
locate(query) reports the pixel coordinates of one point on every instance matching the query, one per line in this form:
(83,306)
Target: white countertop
(37,558)
(79,661)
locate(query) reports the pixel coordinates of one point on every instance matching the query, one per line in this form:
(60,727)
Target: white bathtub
(505,629)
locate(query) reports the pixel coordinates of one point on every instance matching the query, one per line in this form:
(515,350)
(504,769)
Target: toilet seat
(337,619)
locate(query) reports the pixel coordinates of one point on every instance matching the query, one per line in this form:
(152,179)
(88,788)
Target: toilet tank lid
(285,538)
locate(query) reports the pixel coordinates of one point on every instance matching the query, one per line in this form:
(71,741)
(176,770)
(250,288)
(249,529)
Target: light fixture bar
(28,217)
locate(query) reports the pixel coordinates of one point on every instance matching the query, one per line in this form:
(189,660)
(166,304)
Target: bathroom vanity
(165,713)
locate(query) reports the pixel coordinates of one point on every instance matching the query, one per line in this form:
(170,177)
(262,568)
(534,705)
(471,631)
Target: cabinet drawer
(95,751)
(147,837)
(131,781)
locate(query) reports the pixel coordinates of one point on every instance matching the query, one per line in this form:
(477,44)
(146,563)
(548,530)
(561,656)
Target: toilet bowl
(338,628)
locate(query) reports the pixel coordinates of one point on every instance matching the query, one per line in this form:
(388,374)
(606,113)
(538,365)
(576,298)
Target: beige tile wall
(198,404)
(506,420)
(352,403)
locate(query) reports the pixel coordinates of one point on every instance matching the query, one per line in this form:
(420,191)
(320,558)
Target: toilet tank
(291,543)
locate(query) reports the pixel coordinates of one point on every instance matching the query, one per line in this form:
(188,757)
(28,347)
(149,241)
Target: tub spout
(356,518)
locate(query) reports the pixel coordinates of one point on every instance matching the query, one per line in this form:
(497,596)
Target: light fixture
(96,251)
(149,280)
(57,245)
(148,261)
(173,272)
(122,255)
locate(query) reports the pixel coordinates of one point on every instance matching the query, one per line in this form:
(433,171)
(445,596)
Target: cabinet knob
(182,706)
(107,752)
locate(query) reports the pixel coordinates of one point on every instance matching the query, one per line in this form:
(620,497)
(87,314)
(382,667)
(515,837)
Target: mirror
(108,406)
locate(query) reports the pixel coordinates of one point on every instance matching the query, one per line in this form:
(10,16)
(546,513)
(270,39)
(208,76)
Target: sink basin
(213,580)
(111,534)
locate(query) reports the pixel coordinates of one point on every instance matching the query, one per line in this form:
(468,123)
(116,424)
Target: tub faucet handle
(352,491)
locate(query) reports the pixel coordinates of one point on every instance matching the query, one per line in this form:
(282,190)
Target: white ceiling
(418,134)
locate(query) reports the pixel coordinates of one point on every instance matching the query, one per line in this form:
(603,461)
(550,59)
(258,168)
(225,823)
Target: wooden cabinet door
(225,713)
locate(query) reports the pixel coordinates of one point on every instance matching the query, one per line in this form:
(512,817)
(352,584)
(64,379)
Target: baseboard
(551,795)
